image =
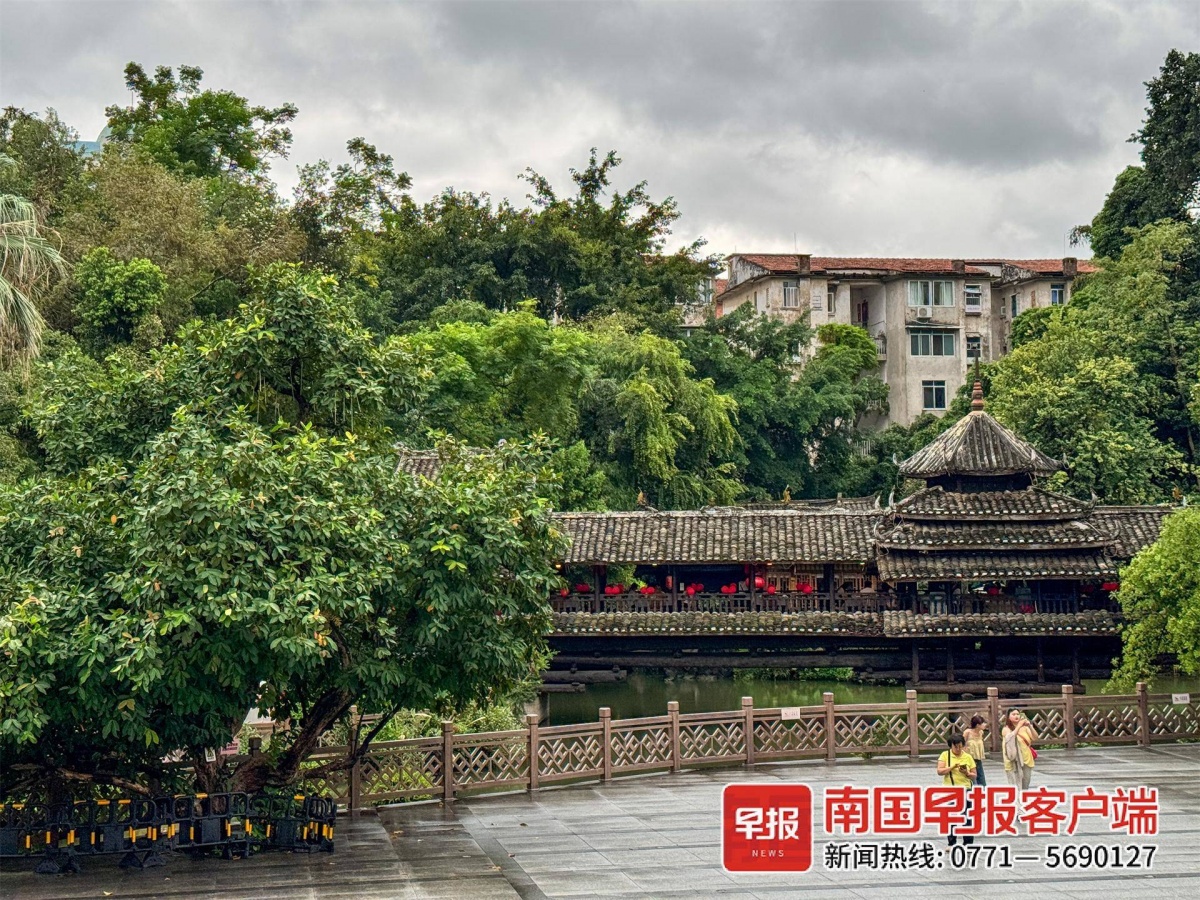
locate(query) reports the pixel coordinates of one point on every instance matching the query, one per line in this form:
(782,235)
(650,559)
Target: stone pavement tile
(586,884)
(556,843)
(696,879)
(538,863)
(628,860)
(627,840)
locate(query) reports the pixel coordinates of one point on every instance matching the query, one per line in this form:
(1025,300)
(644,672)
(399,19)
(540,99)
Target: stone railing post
(1143,704)
(993,697)
(1068,695)
(673,717)
(914,727)
(447,761)
(830,728)
(748,727)
(531,723)
(606,766)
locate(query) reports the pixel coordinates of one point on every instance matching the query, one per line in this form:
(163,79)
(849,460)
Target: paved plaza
(658,837)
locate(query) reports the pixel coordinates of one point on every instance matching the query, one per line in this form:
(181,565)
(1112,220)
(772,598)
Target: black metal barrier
(141,829)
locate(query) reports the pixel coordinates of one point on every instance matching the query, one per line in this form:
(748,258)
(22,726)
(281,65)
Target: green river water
(644,694)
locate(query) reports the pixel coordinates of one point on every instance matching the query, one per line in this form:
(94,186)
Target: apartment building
(930,318)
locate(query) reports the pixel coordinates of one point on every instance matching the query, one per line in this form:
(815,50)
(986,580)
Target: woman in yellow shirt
(957,769)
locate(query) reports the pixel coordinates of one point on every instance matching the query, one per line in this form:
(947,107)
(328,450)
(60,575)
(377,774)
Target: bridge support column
(993,698)
(916,664)
(673,722)
(1068,695)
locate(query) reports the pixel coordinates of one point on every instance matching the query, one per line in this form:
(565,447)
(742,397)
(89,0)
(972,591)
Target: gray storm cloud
(856,128)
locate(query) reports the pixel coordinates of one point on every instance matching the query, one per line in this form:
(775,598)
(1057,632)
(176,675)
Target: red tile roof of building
(720,286)
(785,263)
(1049,266)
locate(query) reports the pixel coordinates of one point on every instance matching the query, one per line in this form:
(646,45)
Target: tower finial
(977,391)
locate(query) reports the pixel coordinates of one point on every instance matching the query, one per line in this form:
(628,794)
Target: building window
(760,303)
(864,314)
(1014,306)
(831,300)
(791,295)
(931,343)
(972,297)
(1058,294)
(796,352)
(974,347)
(931,293)
(933,394)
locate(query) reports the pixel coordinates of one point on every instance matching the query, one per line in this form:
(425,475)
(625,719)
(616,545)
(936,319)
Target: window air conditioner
(924,312)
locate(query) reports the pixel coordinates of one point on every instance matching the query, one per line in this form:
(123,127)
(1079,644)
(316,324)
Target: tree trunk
(259,771)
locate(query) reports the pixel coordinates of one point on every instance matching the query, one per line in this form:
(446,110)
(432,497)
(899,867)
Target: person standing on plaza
(974,737)
(957,769)
(1019,755)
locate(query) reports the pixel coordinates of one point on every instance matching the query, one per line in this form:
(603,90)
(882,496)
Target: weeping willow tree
(27,261)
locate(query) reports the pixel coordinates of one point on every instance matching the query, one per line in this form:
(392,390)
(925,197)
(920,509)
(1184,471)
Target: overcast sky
(897,128)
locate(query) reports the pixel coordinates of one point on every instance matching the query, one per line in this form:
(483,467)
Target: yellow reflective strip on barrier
(192,833)
(93,839)
(200,796)
(47,837)
(28,841)
(124,802)
(71,836)
(102,802)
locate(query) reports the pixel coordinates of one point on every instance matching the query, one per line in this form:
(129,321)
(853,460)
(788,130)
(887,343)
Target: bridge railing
(455,764)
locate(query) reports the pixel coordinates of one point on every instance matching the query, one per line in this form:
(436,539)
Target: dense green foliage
(221,524)
(1160,596)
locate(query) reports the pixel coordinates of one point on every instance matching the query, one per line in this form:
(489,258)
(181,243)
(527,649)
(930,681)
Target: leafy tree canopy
(625,404)
(196,132)
(221,524)
(1160,597)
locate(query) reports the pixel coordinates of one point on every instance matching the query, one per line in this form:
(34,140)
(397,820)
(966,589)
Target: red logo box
(766,827)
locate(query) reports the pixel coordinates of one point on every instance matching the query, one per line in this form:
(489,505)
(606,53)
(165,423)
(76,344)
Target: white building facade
(930,318)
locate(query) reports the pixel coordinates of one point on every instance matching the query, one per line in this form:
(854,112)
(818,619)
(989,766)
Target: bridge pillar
(914,734)
(1068,695)
(673,722)
(916,664)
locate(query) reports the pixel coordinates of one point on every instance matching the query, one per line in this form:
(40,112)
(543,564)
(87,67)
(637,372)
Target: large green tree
(797,424)
(198,132)
(222,525)
(624,404)
(598,251)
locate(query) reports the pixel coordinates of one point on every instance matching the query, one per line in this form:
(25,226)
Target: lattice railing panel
(571,754)
(1099,722)
(804,736)
(478,763)
(641,746)
(934,727)
(865,731)
(1174,720)
(401,770)
(715,740)
(1049,722)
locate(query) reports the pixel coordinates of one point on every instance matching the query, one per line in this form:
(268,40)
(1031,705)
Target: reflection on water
(647,695)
